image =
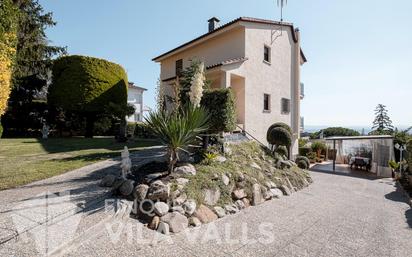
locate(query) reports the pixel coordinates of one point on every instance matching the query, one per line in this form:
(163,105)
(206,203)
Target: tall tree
(8,39)
(382,125)
(31,72)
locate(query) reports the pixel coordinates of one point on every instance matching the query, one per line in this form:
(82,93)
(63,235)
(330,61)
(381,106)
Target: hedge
(304,151)
(279,136)
(87,84)
(142,131)
(220,103)
(277,125)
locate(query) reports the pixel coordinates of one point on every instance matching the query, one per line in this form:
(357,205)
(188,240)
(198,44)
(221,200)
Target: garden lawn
(26,160)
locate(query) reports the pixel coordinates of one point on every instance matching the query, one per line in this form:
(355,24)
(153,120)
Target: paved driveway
(335,216)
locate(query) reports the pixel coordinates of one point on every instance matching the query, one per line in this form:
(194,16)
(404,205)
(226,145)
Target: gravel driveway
(336,216)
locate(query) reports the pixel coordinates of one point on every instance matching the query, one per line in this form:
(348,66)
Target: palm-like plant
(178,130)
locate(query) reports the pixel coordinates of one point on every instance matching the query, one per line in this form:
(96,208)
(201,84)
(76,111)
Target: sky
(359,52)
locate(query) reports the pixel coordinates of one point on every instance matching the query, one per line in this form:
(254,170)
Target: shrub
(335,131)
(303,159)
(1,130)
(220,103)
(130,129)
(282,150)
(302,164)
(318,147)
(409,151)
(279,136)
(85,85)
(143,131)
(278,125)
(304,151)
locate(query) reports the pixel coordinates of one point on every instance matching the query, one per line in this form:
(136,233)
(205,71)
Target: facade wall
(135,98)
(275,78)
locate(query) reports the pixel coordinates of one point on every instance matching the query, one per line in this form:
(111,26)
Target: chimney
(213,23)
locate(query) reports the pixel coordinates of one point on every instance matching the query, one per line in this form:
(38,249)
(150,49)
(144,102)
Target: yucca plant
(178,130)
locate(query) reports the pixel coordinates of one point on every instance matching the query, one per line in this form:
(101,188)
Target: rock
(211,196)
(257,197)
(195,222)
(204,214)
(177,222)
(140,192)
(231,209)
(178,209)
(246,202)
(158,191)
(220,159)
(108,181)
(241,184)
(220,212)
(127,187)
(227,150)
(225,180)
(161,208)
(118,182)
(276,192)
(255,166)
(239,194)
(175,194)
(285,190)
(154,176)
(190,207)
(266,193)
(154,224)
(180,200)
(187,169)
(163,228)
(182,181)
(240,204)
(270,184)
(240,177)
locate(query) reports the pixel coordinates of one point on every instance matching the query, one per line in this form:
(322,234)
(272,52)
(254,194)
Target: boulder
(220,212)
(140,192)
(194,222)
(190,207)
(240,204)
(180,200)
(211,196)
(231,209)
(108,181)
(158,191)
(266,193)
(276,192)
(154,224)
(161,208)
(239,194)
(220,159)
(225,180)
(182,181)
(178,209)
(177,222)
(246,202)
(127,187)
(163,228)
(187,169)
(257,197)
(204,214)
(270,184)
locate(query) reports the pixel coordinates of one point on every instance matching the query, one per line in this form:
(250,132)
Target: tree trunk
(172,161)
(90,119)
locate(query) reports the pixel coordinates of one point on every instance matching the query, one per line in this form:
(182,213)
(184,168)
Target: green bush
(318,148)
(130,129)
(102,126)
(87,85)
(335,131)
(1,130)
(279,136)
(220,103)
(303,159)
(409,151)
(277,125)
(304,151)
(282,150)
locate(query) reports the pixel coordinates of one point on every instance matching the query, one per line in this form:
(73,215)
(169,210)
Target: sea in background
(360,129)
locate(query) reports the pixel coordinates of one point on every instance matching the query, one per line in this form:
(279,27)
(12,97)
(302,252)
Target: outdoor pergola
(377,150)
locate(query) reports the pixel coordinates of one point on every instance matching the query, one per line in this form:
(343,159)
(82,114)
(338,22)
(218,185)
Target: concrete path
(335,216)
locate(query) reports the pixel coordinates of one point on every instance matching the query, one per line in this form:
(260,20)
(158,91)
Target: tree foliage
(279,136)
(87,85)
(8,39)
(335,131)
(275,125)
(382,125)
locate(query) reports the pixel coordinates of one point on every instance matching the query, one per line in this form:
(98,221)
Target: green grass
(25,160)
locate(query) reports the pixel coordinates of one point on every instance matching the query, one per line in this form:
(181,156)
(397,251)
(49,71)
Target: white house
(259,59)
(135,98)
